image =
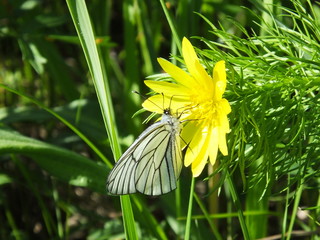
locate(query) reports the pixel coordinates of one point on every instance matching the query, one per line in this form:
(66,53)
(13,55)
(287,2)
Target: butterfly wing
(121,179)
(152,164)
(159,167)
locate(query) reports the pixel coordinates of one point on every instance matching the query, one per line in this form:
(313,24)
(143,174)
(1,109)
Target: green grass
(66,107)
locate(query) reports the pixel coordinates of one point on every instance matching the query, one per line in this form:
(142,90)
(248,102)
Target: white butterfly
(152,164)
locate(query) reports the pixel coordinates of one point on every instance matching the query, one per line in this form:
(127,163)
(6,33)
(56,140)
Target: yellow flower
(197,97)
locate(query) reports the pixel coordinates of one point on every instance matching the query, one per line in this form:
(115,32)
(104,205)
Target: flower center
(205,110)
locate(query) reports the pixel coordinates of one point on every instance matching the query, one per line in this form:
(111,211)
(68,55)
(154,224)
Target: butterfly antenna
(170,101)
(136,92)
(162,100)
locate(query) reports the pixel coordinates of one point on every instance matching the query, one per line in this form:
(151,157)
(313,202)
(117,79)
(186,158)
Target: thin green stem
(207,216)
(237,203)
(55,195)
(178,204)
(294,210)
(174,31)
(286,208)
(188,223)
(10,220)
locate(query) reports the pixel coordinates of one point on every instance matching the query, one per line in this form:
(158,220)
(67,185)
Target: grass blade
(63,120)
(172,26)
(61,163)
(81,20)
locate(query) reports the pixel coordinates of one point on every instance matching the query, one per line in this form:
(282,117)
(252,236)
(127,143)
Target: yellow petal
(213,146)
(194,66)
(198,168)
(168,89)
(154,104)
(219,79)
(223,143)
(225,106)
(195,145)
(177,73)
(224,123)
(202,158)
(159,102)
(187,133)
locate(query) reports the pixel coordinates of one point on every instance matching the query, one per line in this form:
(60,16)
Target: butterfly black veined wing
(152,164)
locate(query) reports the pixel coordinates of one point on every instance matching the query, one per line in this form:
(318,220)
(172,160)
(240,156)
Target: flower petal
(187,134)
(154,104)
(177,73)
(168,89)
(202,158)
(159,102)
(197,168)
(224,123)
(195,145)
(194,66)
(225,106)
(219,79)
(213,146)
(223,142)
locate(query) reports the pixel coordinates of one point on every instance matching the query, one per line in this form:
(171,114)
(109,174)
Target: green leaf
(61,163)
(4,179)
(33,55)
(82,113)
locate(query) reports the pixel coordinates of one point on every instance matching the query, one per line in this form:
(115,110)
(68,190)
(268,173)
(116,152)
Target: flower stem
(237,203)
(188,223)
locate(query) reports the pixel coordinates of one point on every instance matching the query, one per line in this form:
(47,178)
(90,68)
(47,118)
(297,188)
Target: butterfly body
(152,164)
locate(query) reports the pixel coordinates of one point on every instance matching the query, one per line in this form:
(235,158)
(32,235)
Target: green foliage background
(66,107)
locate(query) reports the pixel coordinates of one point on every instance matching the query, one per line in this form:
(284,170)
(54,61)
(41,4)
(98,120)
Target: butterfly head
(167,111)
